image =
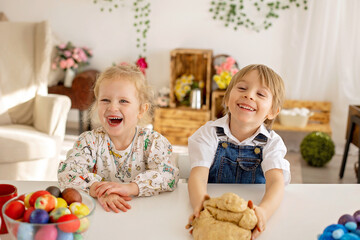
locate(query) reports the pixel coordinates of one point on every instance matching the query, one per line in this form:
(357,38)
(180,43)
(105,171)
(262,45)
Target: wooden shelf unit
(178,124)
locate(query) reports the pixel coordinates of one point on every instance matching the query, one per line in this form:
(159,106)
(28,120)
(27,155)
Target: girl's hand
(114,202)
(260,227)
(124,190)
(196,213)
(93,188)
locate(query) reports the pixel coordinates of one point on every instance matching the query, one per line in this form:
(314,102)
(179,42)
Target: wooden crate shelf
(197,62)
(178,124)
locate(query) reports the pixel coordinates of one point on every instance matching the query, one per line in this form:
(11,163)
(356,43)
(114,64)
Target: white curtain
(322,58)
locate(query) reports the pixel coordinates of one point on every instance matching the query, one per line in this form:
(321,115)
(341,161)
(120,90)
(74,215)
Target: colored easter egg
(346,218)
(357,216)
(39,216)
(84,224)
(27,214)
(78,236)
(61,203)
(21,197)
(64,235)
(46,232)
(57,213)
(35,195)
(25,232)
(46,202)
(71,195)
(15,210)
(78,208)
(71,226)
(26,200)
(53,190)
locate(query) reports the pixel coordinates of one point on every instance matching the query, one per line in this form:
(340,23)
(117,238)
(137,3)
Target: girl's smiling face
(119,108)
(250,102)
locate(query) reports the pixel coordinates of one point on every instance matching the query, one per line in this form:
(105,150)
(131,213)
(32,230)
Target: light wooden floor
(300,171)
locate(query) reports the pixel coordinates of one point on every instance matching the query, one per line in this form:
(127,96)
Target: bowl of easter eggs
(49,214)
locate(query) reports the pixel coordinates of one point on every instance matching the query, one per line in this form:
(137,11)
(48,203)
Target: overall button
(257,150)
(224,145)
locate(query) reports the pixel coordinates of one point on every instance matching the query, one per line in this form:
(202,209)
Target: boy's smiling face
(118,108)
(250,102)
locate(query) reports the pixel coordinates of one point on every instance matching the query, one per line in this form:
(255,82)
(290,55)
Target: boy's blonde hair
(130,73)
(268,78)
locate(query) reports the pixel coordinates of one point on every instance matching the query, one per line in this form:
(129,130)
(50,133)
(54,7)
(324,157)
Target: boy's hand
(196,213)
(114,202)
(260,227)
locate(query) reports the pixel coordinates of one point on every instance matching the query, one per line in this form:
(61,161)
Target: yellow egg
(61,203)
(26,200)
(78,208)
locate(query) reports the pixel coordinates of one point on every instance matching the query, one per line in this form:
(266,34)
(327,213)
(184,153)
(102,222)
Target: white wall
(174,24)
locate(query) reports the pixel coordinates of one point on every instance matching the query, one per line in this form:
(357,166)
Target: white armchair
(32,122)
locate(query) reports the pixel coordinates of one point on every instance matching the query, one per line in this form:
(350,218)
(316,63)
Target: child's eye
(242,88)
(123,101)
(261,94)
(104,100)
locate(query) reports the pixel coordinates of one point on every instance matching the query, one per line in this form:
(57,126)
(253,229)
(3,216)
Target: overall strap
(220,132)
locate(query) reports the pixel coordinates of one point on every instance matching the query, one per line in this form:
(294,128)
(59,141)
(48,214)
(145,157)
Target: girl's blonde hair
(131,73)
(268,78)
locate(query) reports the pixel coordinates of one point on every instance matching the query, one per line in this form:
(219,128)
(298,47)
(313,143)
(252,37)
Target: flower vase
(69,77)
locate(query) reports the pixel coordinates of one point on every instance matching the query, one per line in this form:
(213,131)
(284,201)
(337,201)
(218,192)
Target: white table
(305,211)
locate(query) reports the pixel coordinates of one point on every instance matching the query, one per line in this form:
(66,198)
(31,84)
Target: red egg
(35,195)
(15,210)
(22,198)
(71,195)
(27,214)
(71,226)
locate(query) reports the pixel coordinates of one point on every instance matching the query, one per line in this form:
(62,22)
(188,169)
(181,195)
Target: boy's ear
(143,109)
(272,115)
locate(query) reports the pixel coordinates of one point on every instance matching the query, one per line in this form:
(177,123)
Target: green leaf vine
(252,14)
(141,10)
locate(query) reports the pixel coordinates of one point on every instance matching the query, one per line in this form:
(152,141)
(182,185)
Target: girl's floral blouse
(147,162)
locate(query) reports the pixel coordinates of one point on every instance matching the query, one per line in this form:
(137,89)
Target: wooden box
(197,62)
(353,110)
(217,108)
(178,124)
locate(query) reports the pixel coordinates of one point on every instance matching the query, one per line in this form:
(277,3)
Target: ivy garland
(237,13)
(141,23)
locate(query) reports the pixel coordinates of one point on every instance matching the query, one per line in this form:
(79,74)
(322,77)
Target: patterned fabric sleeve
(77,170)
(161,174)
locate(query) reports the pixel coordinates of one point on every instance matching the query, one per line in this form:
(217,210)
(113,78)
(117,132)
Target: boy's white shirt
(203,143)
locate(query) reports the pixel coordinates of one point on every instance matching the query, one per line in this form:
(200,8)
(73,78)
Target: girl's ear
(143,109)
(272,115)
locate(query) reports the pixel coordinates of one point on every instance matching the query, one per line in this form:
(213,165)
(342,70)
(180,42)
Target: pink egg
(46,232)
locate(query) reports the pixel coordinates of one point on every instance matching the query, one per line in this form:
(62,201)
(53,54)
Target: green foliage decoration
(317,149)
(142,10)
(242,13)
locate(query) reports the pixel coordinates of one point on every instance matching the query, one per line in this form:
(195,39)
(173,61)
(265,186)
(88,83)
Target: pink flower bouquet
(69,56)
(224,72)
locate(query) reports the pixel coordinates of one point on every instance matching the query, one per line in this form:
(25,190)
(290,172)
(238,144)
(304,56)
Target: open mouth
(114,121)
(247,107)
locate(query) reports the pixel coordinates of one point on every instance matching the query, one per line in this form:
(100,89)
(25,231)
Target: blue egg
(64,235)
(25,232)
(39,216)
(338,233)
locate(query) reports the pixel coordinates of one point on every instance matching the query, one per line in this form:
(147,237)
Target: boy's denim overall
(237,164)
